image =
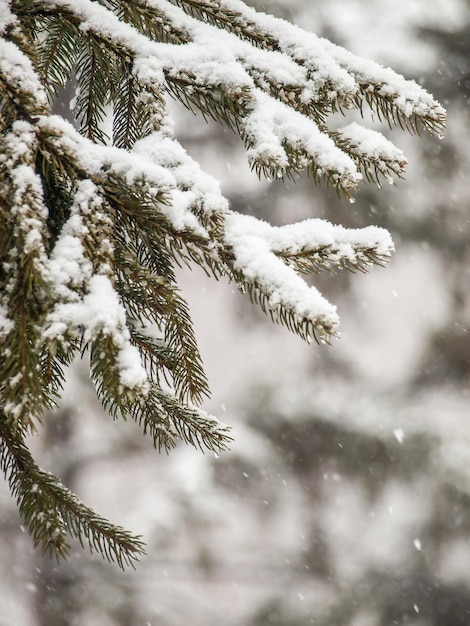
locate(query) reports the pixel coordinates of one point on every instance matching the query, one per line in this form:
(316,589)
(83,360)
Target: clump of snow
(28,208)
(18,144)
(6,16)
(69,268)
(257,248)
(17,69)
(26,194)
(196,186)
(6,324)
(272,124)
(86,301)
(249,239)
(163,174)
(372,143)
(100,312)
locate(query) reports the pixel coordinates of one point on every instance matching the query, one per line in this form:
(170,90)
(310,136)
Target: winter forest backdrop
(345,498)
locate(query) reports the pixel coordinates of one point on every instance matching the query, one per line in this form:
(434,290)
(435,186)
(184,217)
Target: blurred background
(345,498)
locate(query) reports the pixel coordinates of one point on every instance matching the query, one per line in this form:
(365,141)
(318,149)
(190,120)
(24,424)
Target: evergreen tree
(93,219)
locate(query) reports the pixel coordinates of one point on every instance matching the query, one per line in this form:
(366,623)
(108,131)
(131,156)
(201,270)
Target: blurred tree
(383,461)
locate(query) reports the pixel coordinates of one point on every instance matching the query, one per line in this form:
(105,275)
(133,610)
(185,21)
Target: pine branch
(149,19)
(58,42)
(157,356)
(117,373)
(374,155)
(51,512)
(188,373)
(380,87)
(167,420)
(222,16)
(94,66)
(264,260)
(152,299)
(25,281)
(125,119)
(359,257)
(90,233)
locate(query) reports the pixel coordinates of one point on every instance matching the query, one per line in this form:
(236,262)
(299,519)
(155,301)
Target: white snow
(100,312)
(196,187)
(249,238)
(272,124)
(372,143)
(86,301)
(399,435)
(255,244)
(6,16)
(28,208)
(158,165)
(6,324)
(17,69)
(18,144)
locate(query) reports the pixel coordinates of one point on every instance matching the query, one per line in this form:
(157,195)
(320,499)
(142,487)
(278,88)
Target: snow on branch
(24,272)
(342,76)
(270,81)
(226,77)
(265,260)
(396,99)
(148,168)
(92,226)
(375,154)
(19,81)
(281,139)
(87,305)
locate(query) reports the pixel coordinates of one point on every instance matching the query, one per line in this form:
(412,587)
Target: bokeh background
(345,498)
